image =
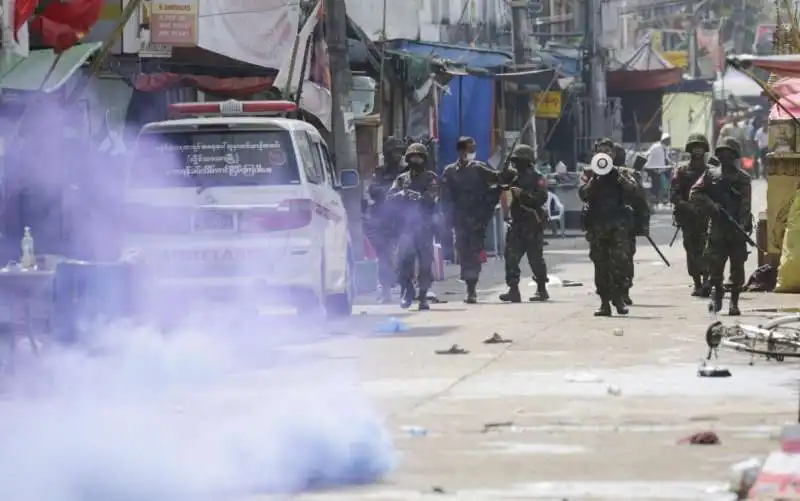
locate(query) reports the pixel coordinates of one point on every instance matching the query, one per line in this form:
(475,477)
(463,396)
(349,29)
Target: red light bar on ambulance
(232,107)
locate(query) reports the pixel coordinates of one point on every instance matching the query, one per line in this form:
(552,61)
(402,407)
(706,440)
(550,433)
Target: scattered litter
(438,490)
(701,438)
(363,313)
(618,331)
(583,377)
(391,325)
(614,390)
(657,263)
(493,426)
(713,372)
(572,283)
(453,350)
(496,339)
(415,431)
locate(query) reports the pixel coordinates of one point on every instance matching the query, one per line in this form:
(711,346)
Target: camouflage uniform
(688,216)
(525,235)
(416,190)
(608,222)
(720,191)
(381,223)
(640,213)
(469,194)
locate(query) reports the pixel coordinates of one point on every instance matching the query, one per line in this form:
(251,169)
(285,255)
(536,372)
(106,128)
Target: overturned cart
(777,339)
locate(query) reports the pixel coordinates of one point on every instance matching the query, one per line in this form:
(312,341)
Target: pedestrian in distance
(527,223)
(724,193)
(416,191)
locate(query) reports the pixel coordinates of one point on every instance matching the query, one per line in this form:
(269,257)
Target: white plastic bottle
(28,259)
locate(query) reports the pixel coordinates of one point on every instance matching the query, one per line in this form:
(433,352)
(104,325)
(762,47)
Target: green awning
(28,74)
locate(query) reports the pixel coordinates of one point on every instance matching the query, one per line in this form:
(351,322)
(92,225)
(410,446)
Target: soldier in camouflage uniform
(525,236)
(692,221)
(721,192)
(608,222)
(470,193)
(640,212)
(381,221)
(416,191)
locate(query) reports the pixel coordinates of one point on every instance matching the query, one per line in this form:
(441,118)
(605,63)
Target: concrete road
(582,413)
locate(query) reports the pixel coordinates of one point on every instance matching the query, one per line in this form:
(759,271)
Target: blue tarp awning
(468,56)
(566,64)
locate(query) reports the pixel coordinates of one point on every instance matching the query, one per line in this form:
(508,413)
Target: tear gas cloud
(219,407)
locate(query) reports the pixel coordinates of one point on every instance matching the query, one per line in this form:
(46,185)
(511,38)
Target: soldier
(381,221)
(641,215)
(724,194)
(692,221)
(525,236)
(417,190)
(469,197)
(607,220)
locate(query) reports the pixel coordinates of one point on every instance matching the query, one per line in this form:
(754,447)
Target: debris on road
(701,438)
(438,490)
(391,325)
(494,426)
(583,377)
(453,350)
(613,390)
(496,339)
(415,431)
(618,331)
(706,371)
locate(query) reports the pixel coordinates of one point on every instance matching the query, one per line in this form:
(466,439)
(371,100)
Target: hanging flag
(79,15)
(23,11)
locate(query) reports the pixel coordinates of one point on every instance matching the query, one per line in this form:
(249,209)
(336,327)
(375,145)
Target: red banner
(23,10)
(79,15)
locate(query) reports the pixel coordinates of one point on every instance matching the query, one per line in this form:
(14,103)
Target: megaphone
(601,164)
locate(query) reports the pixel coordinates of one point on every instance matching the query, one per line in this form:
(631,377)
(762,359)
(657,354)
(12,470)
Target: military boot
(619,304)
(605,308)
(626,298)
(697,291)
(733,307)
(716,298)
(541,292)
(706,290)
(472,292)
(423,300)
(408,296)
(512,296)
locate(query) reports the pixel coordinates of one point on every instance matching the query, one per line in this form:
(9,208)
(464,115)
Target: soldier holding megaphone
(608,221)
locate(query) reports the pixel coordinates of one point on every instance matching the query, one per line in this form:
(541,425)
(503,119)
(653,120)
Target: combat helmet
(695,139)
(729,143)
(416,149)
(523,152)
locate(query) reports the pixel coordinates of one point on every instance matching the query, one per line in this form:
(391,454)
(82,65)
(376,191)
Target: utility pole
(598,94)
(344,145)
(692,59)
(519,41)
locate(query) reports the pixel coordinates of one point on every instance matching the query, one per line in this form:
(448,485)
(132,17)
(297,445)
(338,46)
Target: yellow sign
(547,105)
(677,58)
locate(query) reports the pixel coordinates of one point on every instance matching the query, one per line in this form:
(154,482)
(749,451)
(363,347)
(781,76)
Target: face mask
(470,157)
(416,162)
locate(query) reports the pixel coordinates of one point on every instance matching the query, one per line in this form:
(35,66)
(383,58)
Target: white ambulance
(235,201)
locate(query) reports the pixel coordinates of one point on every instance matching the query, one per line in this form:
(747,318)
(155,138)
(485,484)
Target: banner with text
(174,23)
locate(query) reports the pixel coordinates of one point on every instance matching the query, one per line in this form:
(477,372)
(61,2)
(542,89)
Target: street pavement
(580,412)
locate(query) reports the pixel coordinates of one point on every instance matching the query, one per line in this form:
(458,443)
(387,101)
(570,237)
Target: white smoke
(187,417)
